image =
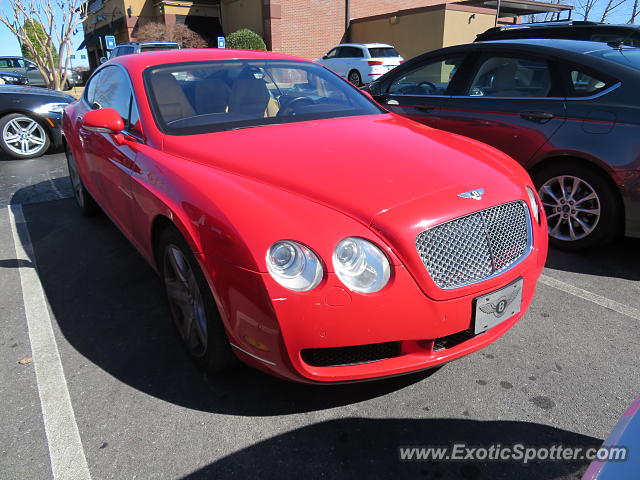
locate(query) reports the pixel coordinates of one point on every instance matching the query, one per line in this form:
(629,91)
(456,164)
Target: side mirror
(324,57)
(31,68)
(104,120)
(102,60)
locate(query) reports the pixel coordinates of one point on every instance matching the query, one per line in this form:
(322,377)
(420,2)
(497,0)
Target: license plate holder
(494,308)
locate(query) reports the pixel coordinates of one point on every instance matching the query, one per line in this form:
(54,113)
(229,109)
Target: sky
(9,44)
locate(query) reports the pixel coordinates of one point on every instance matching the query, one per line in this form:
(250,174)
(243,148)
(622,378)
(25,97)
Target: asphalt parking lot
(564,374)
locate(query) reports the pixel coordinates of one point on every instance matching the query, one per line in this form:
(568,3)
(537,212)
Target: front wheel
(191,304)
(23,137)
(354,77)
(583,209)
(83,198)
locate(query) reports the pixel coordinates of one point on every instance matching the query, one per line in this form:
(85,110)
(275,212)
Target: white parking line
(65,447)
(591,297)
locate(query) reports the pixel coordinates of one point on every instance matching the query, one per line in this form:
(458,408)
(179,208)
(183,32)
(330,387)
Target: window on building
(432,78)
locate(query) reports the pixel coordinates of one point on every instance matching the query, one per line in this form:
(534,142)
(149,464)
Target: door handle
(425,107)
(537,116)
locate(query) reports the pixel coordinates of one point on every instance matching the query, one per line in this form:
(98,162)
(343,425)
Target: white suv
(361,63)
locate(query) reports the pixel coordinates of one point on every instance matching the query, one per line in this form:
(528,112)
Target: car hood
(362,166)
(43,92)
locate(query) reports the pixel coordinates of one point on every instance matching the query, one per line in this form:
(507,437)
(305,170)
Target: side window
(21,63)
(432,78)
(112,90)
(90,89)
(114,52)
(333,53)
(6,63)
(511,77)
(350,52)
(583,84)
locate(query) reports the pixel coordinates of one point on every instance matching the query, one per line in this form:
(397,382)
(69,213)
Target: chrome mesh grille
(477,246)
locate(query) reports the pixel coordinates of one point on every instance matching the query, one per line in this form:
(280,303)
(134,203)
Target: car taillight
(375,62)
(401,61)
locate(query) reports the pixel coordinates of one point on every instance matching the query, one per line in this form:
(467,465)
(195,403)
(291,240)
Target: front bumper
(271,327)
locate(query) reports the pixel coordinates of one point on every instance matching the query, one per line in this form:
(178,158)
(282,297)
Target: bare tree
(610,7)
(634,12)
(584,8)
(160,32)
(59,19)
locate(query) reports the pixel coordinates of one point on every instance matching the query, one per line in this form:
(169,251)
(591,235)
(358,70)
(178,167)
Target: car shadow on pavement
(110,306)
(620,260)
(370,448)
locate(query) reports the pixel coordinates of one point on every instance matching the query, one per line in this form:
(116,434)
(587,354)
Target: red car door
(109,158)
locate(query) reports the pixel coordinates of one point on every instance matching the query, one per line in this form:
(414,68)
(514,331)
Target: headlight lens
(294,266)
(51,108)
(360,265)
(534,204)
(10,79)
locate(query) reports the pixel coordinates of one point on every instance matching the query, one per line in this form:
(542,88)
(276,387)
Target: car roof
(559,44)
(162,57)
(366,45)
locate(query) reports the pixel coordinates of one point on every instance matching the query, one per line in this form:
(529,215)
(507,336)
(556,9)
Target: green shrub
(245,39)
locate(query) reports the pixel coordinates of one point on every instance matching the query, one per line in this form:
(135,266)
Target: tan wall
(411,34)
(462,27)
(237,14)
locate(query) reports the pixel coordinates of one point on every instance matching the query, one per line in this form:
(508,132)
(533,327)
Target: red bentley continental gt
(295,223)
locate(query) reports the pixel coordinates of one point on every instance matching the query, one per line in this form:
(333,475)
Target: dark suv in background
(566,110)
(138,47)
(569,30)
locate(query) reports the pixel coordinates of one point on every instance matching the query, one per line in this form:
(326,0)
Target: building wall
(237,14)
(411,34)
(304,28)
(463,26)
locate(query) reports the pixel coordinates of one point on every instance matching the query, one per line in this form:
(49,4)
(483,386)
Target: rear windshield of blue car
(202,97)
(629,57)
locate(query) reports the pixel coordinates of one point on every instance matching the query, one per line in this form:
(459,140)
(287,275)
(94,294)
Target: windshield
(381,52)
(629,57)
(201,97)
(151,48)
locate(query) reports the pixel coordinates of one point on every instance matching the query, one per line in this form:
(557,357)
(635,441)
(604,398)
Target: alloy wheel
(24,136)
(76,183)
(572,207)
(185,300)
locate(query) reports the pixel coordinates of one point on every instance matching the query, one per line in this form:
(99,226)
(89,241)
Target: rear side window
(584,84)
(351,52)
(506,76)
(381,52)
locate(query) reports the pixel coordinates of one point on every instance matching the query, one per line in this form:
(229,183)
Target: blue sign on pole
(221,42)
(110,42)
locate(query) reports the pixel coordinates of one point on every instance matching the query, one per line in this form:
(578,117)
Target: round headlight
(534,204)
(360,265)
(294,266)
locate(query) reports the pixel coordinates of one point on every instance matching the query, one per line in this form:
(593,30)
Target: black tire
(11,149)
(609,224)
(355,78)
(215,355)
(67,86)
(85,201)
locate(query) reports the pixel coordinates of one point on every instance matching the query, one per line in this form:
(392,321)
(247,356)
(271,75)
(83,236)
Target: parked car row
(26,72)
